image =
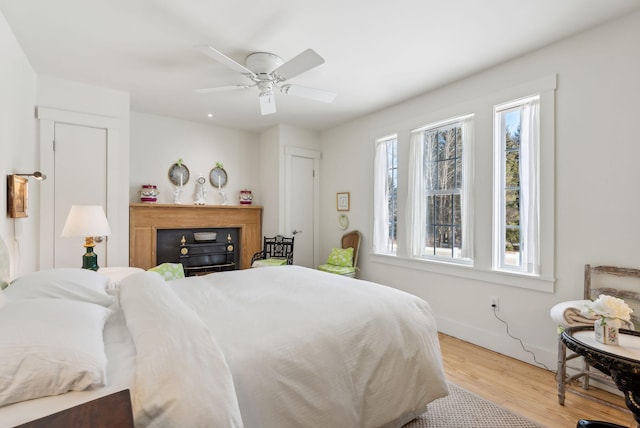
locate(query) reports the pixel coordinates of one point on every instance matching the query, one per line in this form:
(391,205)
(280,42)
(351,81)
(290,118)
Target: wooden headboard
(110,411)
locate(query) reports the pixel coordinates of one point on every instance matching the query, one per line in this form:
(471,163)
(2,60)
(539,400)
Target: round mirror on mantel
(218,177)
(178,174)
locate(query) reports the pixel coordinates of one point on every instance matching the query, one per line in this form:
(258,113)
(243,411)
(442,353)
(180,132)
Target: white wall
(271,171)
(157,142)
(253,161)
(18,149)
(597,202)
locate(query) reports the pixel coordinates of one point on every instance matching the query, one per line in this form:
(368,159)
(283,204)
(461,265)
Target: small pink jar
(246,197)
(149,193)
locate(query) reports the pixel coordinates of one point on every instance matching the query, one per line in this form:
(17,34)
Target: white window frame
(416,204)
(381,232)
(529,162)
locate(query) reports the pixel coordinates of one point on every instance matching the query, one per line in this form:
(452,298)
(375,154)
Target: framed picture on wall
(342,201)
(17,196)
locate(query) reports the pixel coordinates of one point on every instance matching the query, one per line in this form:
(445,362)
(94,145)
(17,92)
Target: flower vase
(605,333)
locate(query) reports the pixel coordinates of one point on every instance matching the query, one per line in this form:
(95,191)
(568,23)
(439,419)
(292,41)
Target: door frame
(117,183)
(289,153)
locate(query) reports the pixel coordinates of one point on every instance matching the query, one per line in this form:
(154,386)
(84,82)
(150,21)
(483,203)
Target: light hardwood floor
(524,389)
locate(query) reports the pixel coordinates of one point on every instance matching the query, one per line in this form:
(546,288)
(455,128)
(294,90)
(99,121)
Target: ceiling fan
(267,72)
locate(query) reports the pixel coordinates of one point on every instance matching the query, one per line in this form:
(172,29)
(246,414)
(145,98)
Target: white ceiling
(377,53)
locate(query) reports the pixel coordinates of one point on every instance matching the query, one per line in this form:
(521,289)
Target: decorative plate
(218,177)
(343,221)
(178,174)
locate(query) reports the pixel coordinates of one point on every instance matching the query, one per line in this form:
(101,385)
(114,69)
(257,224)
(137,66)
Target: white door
(80,178)
(84,170)
(302,204)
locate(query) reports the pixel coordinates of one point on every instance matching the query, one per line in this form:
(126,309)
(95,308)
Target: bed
(271,347)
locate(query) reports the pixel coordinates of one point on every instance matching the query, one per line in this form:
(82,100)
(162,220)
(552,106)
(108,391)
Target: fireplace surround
(145,220)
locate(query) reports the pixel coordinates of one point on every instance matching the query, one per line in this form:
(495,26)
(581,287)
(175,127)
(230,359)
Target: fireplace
(220,251)
(147,220)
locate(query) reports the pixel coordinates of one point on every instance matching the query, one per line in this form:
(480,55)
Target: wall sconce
(18,193)
(87,221)
(37,175)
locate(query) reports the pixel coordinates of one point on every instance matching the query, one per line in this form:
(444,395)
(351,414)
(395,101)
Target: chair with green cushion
(344,260)
(276,251)
(169,271)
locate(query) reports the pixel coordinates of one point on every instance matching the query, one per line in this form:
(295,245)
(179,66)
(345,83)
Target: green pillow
(341,257)
(269,262)
(340,270)
(169,271)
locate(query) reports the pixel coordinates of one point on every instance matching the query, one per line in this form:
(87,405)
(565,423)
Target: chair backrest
(278,247)
(352,239)
(623,283)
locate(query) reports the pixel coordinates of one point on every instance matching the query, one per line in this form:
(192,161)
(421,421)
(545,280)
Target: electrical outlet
(493,302)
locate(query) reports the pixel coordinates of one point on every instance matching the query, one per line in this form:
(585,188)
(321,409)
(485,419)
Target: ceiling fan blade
(221,89)
(267,103)
(223,59)
(298,65)
(310,93)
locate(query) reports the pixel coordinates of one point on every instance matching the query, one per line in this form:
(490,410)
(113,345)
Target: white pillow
(63,283)
(49,347)
(117,274)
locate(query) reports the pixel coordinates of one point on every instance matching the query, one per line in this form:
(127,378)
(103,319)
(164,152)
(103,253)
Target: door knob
(295,232)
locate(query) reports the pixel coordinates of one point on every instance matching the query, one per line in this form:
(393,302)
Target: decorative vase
(149,193)
(605,333)
(246,197)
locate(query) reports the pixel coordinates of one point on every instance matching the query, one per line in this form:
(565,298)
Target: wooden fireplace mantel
(145,219)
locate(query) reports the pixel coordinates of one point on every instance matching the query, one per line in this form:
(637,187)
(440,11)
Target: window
(440,193)
(385,231)
(479,201)
(516,184)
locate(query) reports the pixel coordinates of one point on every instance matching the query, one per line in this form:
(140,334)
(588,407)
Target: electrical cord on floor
(495,313)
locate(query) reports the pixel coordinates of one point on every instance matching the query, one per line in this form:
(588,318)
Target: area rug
(461,409)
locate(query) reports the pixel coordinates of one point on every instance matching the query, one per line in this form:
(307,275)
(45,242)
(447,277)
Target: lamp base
(90,260)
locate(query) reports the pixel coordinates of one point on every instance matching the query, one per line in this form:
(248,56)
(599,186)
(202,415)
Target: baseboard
(500,343)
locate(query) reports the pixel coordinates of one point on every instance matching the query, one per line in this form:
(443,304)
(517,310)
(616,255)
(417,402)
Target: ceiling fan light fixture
(263,63)
(265,86)
(267,103)
(267,71)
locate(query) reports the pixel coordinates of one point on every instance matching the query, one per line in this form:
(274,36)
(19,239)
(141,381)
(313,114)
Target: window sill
(468,272)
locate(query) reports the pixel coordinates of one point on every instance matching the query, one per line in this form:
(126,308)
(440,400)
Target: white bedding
(120,374)
(311,349)
(182,378)
(303,348)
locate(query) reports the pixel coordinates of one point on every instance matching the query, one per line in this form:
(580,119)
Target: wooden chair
(276,251)
(339,262)
(623,283)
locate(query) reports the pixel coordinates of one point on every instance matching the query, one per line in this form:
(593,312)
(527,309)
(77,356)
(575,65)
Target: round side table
(621,362)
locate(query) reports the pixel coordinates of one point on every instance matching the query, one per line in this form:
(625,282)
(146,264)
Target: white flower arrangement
(609,310)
